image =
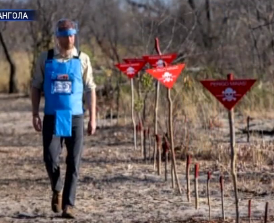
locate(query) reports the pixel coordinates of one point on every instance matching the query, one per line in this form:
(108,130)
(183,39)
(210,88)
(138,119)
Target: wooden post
(222,195)
(196,185)
(170,120)
(132,114)
(166,150)
(157,92)
(188,162)
(144,146)
(249,210)
(169,85)
(208,194)
(158,140)
(172,173)
(111,115)
(233,155)
(149,142)
(266,213)
(141,135)
(156,117)
(155,154)
(166,164)
(248,133)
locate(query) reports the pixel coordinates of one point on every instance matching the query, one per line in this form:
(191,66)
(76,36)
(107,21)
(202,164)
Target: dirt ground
(115,185)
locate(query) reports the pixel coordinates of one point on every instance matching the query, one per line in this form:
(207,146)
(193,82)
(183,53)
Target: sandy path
(115,185)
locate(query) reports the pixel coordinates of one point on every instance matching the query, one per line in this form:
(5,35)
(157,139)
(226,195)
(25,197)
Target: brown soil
(115,185)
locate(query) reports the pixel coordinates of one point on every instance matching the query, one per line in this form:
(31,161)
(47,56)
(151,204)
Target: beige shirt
(86,68)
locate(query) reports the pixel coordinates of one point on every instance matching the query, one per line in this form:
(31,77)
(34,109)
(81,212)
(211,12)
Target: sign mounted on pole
(167,75)
(160,60)
(229,92)
(130,69)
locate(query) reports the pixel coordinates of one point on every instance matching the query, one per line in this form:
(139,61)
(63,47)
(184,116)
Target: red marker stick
(144,145)
(159,74)
(149,142)
(266,213)
(158,141)
(166,151)
(188,162)
(196,171)
(229,92)
(249,210)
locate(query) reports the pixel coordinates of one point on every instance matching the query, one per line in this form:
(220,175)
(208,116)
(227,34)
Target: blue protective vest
(63,89)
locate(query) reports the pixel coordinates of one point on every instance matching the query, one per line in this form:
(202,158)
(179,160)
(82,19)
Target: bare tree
(235,35)
(12,77)
(41,30)
(105,26)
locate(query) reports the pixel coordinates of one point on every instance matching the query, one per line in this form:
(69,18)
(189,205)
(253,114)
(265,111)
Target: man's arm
(36,86)
(90,89)
(90,98)
(35,100)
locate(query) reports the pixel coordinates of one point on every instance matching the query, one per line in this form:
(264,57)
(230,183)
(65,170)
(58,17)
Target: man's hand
(36,122)
(35,101)
(91,127)
(90,99)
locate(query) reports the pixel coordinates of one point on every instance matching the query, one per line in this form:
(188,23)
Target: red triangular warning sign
(228,92)
(130,69)
(167,75)
(160,60)
(134,60)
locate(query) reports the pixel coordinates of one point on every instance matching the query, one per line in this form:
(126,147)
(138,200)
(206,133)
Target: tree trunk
(209,20)
(12,81)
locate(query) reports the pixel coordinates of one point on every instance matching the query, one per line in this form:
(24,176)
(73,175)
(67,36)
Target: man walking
(64,74)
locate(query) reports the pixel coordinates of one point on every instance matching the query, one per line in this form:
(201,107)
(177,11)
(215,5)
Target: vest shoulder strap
(77,57)
(51,54)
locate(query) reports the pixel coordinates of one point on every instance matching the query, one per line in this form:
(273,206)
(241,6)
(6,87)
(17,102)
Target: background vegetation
(213,38)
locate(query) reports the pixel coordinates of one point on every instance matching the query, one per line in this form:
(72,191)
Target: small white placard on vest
(62,87)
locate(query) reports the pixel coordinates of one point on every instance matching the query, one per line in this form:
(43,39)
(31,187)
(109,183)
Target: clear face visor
(60,30)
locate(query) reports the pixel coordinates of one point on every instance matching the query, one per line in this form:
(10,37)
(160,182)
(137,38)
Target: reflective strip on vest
(63,86)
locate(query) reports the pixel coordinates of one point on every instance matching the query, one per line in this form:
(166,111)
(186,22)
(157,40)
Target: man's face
(66,42)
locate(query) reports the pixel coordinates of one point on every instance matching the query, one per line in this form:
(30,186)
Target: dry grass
(22,62)
(116,185)
(191,100)
(195,104)
(195,109)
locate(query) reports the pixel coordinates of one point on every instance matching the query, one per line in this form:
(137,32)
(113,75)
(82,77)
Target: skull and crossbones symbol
(130,71)
(229,94)
(167,77)
(160,63)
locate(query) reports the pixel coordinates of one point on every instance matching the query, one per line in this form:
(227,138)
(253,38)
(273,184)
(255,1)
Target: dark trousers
(52,148)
